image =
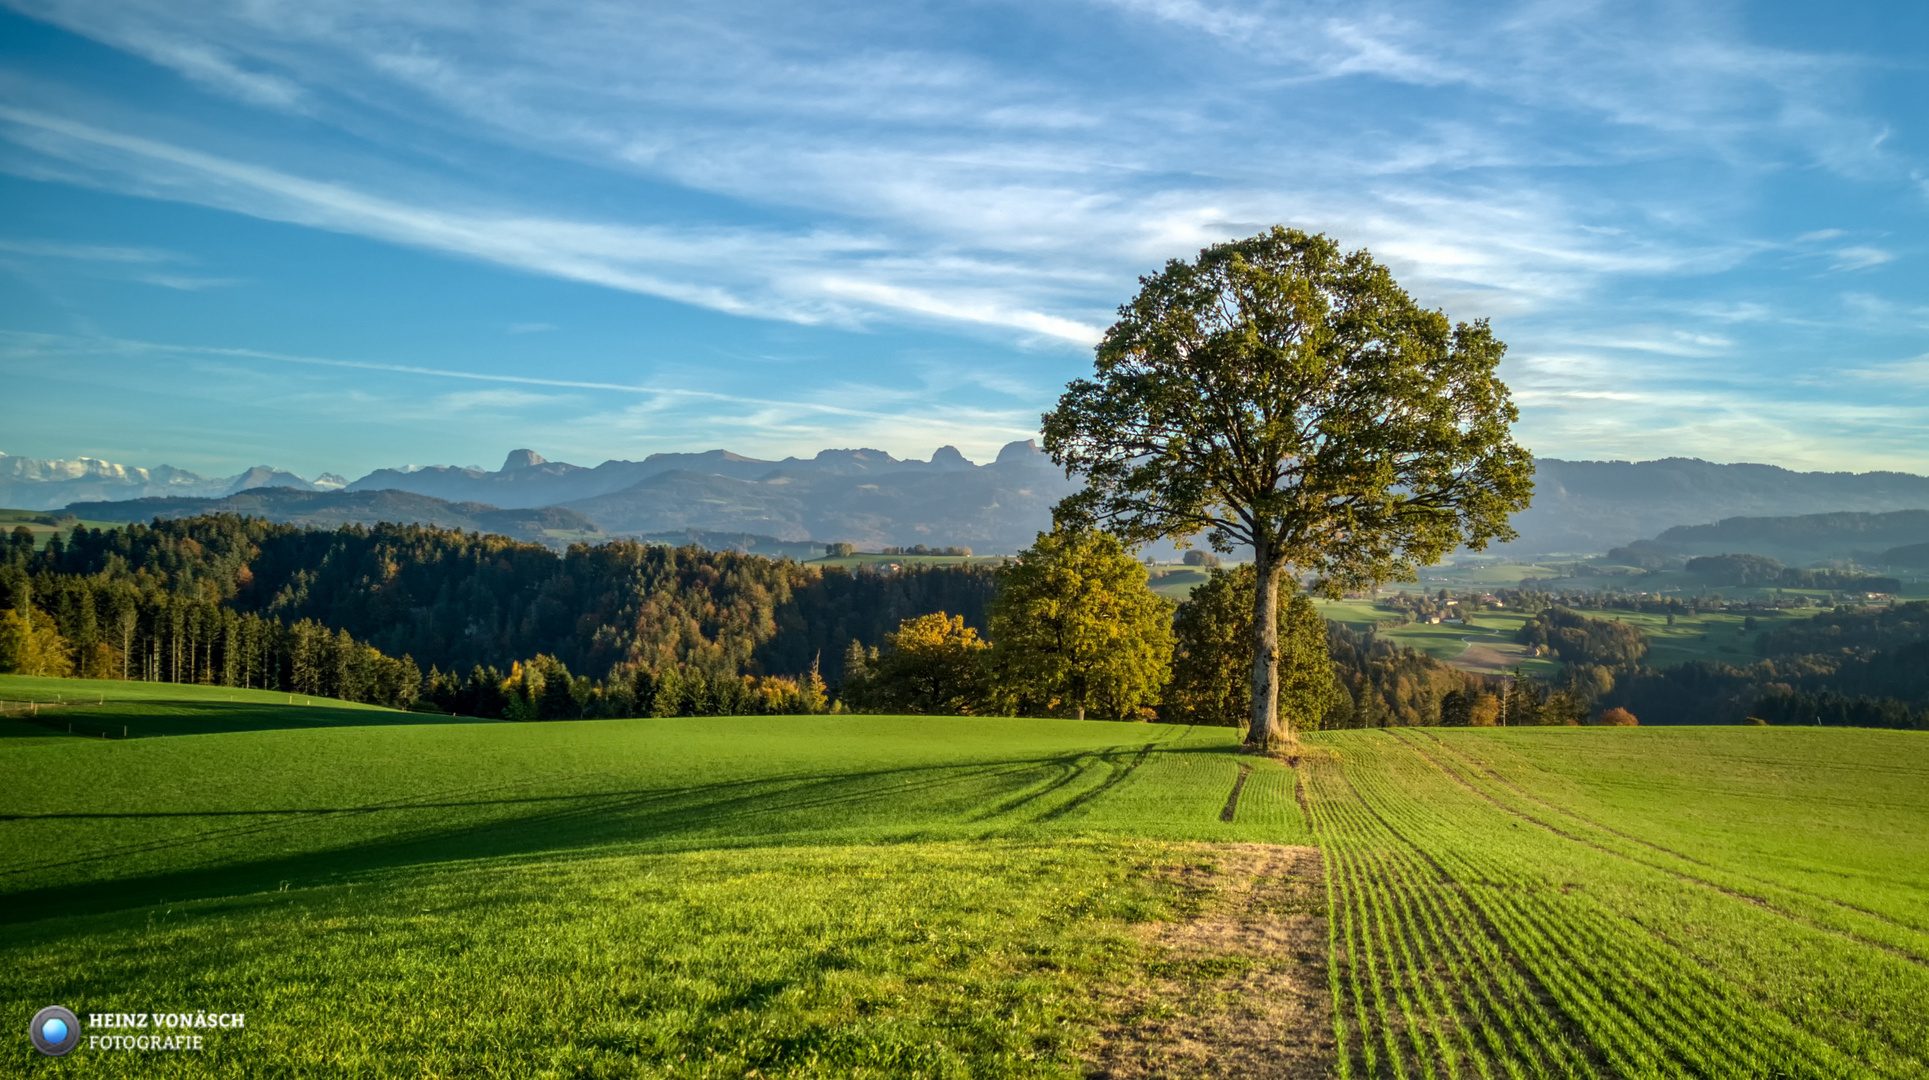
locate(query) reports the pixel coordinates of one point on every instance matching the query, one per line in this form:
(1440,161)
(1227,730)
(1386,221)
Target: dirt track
(1240,990)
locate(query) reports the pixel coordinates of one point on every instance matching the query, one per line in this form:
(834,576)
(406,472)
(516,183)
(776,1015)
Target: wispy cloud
(1577,172)
(1860,257)
(47,249)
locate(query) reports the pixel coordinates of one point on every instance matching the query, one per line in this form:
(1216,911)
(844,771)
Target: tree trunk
(1265,703)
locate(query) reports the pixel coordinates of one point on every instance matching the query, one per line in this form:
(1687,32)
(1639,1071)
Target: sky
(341,235)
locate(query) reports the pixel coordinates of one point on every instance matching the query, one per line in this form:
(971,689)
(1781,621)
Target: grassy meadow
(389,894)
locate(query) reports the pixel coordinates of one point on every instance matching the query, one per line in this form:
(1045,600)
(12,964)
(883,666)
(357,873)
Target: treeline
(626,629)
(516,630)
(1388,685)
(648,630)
(1576,639)
(456,600)
(129,629)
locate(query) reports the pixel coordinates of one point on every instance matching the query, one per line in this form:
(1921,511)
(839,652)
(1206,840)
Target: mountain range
(872,499)
(31,484)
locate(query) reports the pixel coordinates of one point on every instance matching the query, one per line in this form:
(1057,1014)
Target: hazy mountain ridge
(527,479)
(1591,506)
(1886,539)
(870,498)
(332,509)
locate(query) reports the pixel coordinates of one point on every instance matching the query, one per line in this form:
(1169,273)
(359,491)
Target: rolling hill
(1876,539)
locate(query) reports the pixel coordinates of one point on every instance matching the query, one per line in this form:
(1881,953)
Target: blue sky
(341,235)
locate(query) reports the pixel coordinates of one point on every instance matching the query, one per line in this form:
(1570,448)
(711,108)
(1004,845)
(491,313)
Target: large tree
(1075,627)
(1280,393)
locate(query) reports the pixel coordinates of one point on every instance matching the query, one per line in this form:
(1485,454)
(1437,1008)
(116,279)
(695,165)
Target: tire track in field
(1118,777)
(1232,800)
(1761,902)
(1478,765)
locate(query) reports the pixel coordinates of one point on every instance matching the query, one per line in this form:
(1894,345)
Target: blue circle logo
(55,1030)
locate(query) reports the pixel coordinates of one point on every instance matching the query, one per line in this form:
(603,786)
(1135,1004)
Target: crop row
(1805,904)
(1786,949)
(1467,942)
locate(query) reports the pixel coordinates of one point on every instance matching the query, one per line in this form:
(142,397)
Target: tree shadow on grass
(502,823)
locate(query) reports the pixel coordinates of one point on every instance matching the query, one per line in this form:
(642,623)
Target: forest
(483,625)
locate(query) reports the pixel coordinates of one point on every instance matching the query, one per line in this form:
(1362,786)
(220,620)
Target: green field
(1487,645)
(1177,582)
(906,896)
(43,529)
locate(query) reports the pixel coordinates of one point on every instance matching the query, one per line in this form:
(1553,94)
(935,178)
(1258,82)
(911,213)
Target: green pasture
(1177,582)
(1357,614)
(1491,575)
(391,894)
(36,707)
(1710,635)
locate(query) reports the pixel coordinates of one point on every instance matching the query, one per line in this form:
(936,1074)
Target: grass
(920,896)
(828,896)
(116,709)
(1177,582)
(1688,902)
(1710,635)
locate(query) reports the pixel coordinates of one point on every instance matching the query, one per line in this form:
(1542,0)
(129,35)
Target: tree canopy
(1213,661)
(931,664)
(1075,627)
(1279,393)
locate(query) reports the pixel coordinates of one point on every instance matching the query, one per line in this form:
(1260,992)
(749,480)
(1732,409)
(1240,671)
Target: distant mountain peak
(522,459)
(266,476)
(1024,452)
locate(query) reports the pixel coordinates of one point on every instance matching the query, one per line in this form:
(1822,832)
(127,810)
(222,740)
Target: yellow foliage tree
(31,645)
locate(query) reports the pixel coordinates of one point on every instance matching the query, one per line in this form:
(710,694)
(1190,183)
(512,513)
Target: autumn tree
(1280,393)
(30,645)
(1075,627)
(1212,664)
(932,664)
